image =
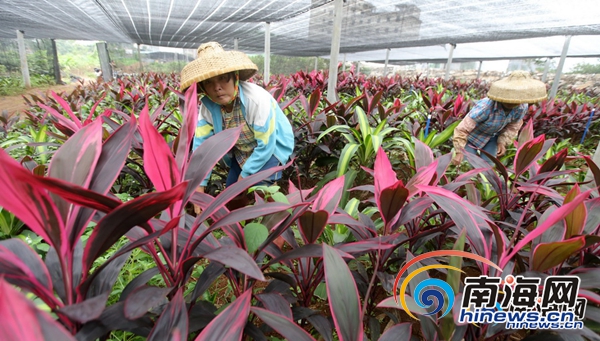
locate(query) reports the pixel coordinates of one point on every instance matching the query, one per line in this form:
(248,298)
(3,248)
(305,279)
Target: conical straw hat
(214,61)
(519,87)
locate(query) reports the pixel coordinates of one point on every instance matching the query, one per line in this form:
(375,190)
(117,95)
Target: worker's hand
(457,159)
(501,150)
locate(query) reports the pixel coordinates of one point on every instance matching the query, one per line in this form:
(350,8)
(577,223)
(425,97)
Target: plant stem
(364,308)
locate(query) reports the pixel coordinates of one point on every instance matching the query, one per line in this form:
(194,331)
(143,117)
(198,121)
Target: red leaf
(143,299)
(229,324)
(173,322)
(238,259)
(390,202)
(343,296)
(186,133)
(312,225)
(548,255)
(159,162)
(28,202)
(135,212)
(559,214)
(528,153)
(67,108)
(75,162)
(383,173)
(283,325)
(329,196)
(21,320)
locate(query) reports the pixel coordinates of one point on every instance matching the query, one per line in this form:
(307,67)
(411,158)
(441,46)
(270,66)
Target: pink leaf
(21,320)
(159,162)
(67,108)
(28,202)
(329,196)
(229,324)
(559,214)
(383,173)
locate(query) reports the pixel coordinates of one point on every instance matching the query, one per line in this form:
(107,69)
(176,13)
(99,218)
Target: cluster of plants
(105,177)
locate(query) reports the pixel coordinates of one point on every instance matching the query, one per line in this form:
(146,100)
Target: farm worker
(229,101)
(494,121)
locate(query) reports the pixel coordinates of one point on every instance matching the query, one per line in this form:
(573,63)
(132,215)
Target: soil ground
(16,103)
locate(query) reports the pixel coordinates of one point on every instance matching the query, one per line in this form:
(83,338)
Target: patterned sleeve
(481,111)
(510,132)
(461,133)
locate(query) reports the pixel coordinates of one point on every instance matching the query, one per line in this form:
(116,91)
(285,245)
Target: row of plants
(385,193)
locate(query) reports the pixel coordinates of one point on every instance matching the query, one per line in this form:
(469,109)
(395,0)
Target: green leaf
(345,157)
(255,234)
(447,324)
(363,123)
(442,137)
(575,220)
(321,291)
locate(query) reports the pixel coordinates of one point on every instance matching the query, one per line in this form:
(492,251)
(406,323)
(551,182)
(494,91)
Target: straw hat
(519,87)
(214,61)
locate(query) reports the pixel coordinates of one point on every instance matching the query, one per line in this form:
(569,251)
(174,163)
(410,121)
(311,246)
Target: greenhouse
(299,170)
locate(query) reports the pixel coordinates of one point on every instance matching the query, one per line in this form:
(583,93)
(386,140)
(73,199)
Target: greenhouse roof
(304,27)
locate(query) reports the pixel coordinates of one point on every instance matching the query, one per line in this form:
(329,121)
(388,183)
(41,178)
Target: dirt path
(17,103)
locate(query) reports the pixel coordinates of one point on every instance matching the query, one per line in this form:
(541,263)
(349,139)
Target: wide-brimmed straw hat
(519,87)
(214,61)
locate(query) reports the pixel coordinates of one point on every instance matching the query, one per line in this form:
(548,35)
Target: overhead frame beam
(335,50)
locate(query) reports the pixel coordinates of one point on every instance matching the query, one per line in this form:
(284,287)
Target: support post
(335,50)
(23,57)
(479,69)
(139,56)
(447,75)
(546,68)
(357,68)
(235,44)
(55,64)
(387,59)
(107,74)
(563,56)
(316,63)
(267,73)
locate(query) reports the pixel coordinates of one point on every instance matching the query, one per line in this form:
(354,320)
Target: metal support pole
(267,73)
(479,69)
(235,44)
(563,56)
(335,50)
(387,59)
(316,63)
(447,75)
(357,68)
(55,64)
(546,68)
(23,57)
(139,55)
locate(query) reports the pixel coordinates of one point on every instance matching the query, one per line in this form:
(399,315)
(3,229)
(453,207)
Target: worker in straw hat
(494,121)
(229,101)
